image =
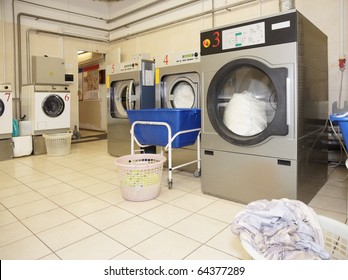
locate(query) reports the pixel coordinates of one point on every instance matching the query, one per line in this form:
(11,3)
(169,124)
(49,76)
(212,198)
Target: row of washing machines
(44,108)
(171,81)
(262,86)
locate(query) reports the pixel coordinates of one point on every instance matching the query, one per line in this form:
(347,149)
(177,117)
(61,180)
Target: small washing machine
(47,107)
(264,84)
(178,83)
(131,88)
(6,149)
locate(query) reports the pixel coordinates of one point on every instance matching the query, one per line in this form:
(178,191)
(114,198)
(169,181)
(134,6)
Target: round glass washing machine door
(246,102)
(180,93)
(122,98)
(2,107)
(53,105)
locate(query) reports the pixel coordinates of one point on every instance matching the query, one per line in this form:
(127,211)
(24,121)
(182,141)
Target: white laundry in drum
(183,96)
(245,115)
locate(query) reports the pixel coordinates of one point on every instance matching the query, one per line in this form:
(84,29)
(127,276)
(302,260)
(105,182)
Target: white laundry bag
(245,115)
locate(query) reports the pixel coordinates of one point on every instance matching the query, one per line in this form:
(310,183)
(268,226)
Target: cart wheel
(197,173)
(170,184)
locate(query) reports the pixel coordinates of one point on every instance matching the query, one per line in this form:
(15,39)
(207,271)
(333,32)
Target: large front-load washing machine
(6,149)
(47,107)
(131,88)
(264,84)
(178,83)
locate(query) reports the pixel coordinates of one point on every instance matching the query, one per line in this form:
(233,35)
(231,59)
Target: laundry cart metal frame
(168,147)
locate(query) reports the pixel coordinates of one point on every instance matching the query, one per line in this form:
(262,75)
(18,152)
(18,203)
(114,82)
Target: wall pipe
(134,11)
(240,3)
(154,15)
(60,10)
(19,47)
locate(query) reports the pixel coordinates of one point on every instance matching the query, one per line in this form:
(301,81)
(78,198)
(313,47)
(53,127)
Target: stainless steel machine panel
(249,177)
(6,149)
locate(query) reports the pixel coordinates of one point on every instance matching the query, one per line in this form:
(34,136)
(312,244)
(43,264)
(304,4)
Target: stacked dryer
(6,150)
(178,83)
(131,88)
(262,120)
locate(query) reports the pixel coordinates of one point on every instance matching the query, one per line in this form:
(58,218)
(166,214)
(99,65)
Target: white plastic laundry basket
(335,235)
(58,144)
(140,176)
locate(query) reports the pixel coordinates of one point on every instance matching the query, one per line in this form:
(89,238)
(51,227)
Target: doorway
(91,94)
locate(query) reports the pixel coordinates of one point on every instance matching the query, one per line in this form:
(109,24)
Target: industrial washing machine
(131,88)
(178,80)
(264,84)
(6,148)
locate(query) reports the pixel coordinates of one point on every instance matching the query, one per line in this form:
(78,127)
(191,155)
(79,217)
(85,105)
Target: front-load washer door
(2,107)
(181,92)
(122,98)
(53,106)
(246,101)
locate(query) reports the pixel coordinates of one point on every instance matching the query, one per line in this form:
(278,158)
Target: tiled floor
(71,207)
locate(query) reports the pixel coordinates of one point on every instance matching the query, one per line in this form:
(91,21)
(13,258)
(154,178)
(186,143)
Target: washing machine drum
(2,107)
(246,102)
(53,105)
(182,93)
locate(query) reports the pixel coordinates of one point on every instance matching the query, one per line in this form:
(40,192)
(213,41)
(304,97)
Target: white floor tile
(198,227)
(222,210)
(55,189)
(139,207)
(113,197)
(167,245)
(6,217)
(66,234)
(107,217)
(13,190)
(69,197)
(95,247)
(86,206)
(207,253)
(20,199)
(133,231)
(229,243)
(47,220)
(166,215)
(99,188)
(129,255)
(192,202)
(30,248)
(33,208)
(13,232)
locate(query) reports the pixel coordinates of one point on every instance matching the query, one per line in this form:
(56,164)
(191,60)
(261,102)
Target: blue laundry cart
(342,121)
(169,128)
